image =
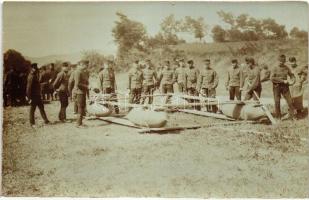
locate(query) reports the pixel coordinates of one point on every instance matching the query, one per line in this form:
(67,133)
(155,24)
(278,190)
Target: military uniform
(34,94)
(208,82)
(167,80)
(192,76)
(234,82)
(181,78)
(61,86)
(71,90)
(44,81)
(107,84)
(135,85)
(81,90)
(53,76)
(280,74)
(254,84)
(150,79)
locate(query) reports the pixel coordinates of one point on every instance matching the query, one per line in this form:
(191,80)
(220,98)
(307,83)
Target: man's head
(84,64)
(52,66)
(34,66)
(167,63)
(65,66)
(234,62)
(190,62)
(250,62)
(207,63)
(282,59)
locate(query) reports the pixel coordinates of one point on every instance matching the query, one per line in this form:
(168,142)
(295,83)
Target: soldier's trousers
(148,90)
(210,93)
(282,89)
(114,96)
(181,87)
(167,88)
(75,107)
(64,102)
(37,102)
(193,92)
(250,94)
(235,91)
(81,106)
(135,95)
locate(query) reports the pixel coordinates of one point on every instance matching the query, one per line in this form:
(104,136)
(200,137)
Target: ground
(105,160)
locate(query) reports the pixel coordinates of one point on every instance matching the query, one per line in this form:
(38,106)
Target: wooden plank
(119,121)
(206,114)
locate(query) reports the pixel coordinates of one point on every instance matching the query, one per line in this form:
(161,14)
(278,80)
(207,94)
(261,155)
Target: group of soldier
(143,79)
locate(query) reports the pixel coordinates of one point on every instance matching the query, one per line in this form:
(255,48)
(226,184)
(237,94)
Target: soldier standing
(167,78)
(61,86)
(80,88)
(44,81)
(208,82)
(34,94)
(234,80)
(181,76)
(107,82)
(253,82)
(135,83)
(72,93)
(150,79)
(192,76)
(279,77)
(53,75)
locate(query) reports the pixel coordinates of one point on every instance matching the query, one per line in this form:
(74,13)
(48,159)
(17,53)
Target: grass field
(107,160)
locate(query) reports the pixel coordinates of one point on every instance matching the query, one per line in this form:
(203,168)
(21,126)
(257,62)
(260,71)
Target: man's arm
(216,80)
(29,86)
(58,80)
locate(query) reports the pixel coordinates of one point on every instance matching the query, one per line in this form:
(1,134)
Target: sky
(39,29)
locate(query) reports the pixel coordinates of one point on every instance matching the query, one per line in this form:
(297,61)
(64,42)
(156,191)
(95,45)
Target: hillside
(73,58)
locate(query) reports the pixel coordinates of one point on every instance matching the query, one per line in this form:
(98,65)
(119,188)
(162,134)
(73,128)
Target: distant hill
(73,58)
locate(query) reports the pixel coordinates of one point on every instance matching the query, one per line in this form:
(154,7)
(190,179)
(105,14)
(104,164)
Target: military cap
(34,65)
(190,62)
(234,61)
(65,64)
(292,59)
(282,56)
(84,62)
(251,60)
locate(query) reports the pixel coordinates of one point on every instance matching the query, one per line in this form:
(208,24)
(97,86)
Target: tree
(14,60)
(96,59)
(128,33)
(218,34)
(227,18)
(170,26)
(273,30)
(195,26)
(296,33)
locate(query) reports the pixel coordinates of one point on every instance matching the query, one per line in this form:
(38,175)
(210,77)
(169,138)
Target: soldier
(150,80)
(11,87)
(107,82)
(22,88)
(181,76)
(135,83)
(80,89)
(61,86)
(44,81)
(253,81)
(72,93)
(167,78)
(297,89)
(53,75)
(208,82)
(34,95)
(279,77)
(234,80)
(192,76)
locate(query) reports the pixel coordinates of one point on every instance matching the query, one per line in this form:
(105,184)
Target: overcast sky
(40,29)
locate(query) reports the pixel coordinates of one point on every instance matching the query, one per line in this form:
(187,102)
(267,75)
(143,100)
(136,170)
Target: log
(206,114)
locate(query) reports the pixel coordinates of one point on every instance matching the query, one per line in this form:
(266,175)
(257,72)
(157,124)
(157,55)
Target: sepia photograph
(161,99)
